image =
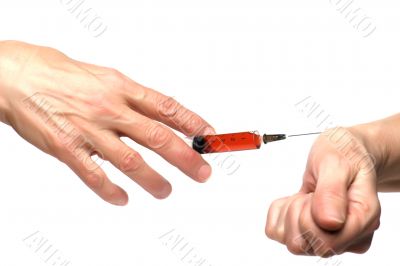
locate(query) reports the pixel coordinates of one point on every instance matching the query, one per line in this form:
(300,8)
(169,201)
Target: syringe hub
(274,137)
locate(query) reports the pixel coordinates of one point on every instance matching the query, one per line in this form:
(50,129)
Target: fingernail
(209,131)
(119,201)
(204,173)
(164,192)
(336,218)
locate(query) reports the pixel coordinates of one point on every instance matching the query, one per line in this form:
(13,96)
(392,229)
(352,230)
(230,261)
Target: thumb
(329,202)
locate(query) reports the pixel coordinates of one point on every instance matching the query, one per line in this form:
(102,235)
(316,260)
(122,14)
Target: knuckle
(275,232)
(276,204)
(273,208)
(304,225)
(131,161)
(272,220)
(332,195)
(365,207)
(320,248)
(364,249)
(374,217)
(58,148)
(295,248)
(167,106)
(280,234)
(376,224)
(94,181)
(189,155)
(326,253)
(376,206)
(102,106)
(269,231)
(158,136)
(192,123)
(337,160)
(345,165)
(324,247)
(369,208)
(330,249)
(295,204)
(369,212)
(113,79)
(115,74)
(362,246)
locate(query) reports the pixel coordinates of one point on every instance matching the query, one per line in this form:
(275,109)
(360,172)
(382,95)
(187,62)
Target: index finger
(165,109)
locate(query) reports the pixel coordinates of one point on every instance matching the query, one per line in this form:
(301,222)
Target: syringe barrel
(227,142)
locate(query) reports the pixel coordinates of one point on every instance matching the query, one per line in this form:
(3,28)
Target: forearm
(382,141)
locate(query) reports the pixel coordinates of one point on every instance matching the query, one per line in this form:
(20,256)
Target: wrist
(4,106)
(381,140)
(14,56)
(370,137)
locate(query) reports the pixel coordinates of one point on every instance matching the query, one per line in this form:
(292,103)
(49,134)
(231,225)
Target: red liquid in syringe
(227,142)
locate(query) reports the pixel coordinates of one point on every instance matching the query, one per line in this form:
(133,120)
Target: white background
(243,65)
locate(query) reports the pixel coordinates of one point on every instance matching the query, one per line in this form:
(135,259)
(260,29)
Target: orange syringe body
(227,142)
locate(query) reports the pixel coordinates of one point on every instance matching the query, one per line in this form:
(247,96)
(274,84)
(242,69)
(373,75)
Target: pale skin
(337,208)
(72,110)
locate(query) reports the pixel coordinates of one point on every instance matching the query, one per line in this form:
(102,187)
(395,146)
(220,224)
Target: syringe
(236,141)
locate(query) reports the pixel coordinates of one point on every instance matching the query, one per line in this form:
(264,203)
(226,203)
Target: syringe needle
(305,134)
(276,137)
